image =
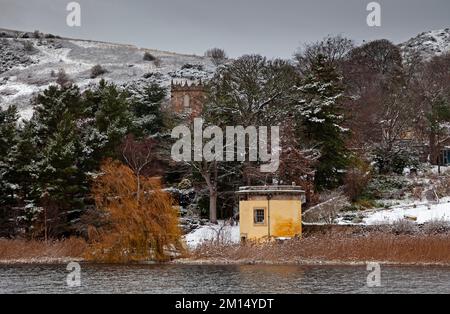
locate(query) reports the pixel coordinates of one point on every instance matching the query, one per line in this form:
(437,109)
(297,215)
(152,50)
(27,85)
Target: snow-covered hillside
(428,44)
(28,65)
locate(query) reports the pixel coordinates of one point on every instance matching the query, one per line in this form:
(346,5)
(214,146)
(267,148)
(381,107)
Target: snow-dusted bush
(198,67)
(217,55)
(37,34)
(443,186)
(356,180)
(157,62)
(97,70)
(404,226)
(436,227)
(28,46)
(387,187)
(395,160)
(63,79)
(149,57)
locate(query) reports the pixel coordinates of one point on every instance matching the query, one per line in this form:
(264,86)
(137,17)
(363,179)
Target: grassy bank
(22,251)
(332,248)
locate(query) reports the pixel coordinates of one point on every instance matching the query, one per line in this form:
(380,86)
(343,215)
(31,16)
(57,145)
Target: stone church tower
(188,99)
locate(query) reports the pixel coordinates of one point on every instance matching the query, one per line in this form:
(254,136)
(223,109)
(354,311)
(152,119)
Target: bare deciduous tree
(217,55)
(139,156)
(334,49)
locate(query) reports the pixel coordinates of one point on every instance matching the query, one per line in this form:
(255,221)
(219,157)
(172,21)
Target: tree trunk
(45,225)
(433,150)
(213,206)
(211,182)
(438,153)
(138,194)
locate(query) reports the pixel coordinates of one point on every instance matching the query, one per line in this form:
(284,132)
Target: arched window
(187,101)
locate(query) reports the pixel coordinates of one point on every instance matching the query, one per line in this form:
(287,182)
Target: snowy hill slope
(28,65)
(428,44)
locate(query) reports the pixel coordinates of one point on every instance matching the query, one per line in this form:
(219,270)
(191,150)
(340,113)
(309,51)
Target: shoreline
(335,249)
(211,262)
(40,261)
(219,262)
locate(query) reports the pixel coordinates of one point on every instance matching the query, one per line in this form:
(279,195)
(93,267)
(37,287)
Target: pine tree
(51,105)
(25,161)
(8,139)
(321,119)
(111,109)
(146,105)
(47,164)
(64,188)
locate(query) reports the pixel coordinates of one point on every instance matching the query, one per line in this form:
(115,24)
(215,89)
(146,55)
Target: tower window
(187,101)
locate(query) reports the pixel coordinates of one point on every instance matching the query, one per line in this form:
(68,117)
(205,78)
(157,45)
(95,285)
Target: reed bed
(379,247)
(33,250)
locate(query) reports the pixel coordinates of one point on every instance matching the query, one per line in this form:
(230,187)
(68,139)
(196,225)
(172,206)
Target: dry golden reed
(26,250)
(407,249)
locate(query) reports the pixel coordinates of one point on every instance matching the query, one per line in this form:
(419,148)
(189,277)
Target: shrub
(356,180)
(149,57)
(37,34)
(436,227)
(157,62)
(198,67)
(404,227)
(443,186)
(387,187)
(395,160)
(97,70)
(28,46)
(148,75)
(63,79)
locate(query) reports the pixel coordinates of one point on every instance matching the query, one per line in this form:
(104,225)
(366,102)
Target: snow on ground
(423,213)
(418,212)
(428,44)
(227,234)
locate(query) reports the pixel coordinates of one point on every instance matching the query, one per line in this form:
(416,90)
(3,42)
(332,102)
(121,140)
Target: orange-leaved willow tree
(140,221)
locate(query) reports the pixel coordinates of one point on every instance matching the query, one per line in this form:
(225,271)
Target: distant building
(188,99)
(267,212)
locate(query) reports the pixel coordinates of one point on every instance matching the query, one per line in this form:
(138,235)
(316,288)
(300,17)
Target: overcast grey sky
(274,28)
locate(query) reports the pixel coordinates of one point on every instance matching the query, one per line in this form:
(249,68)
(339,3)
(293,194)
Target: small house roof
(271,189)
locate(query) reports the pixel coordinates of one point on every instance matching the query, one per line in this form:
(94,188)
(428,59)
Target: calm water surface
(222,279)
